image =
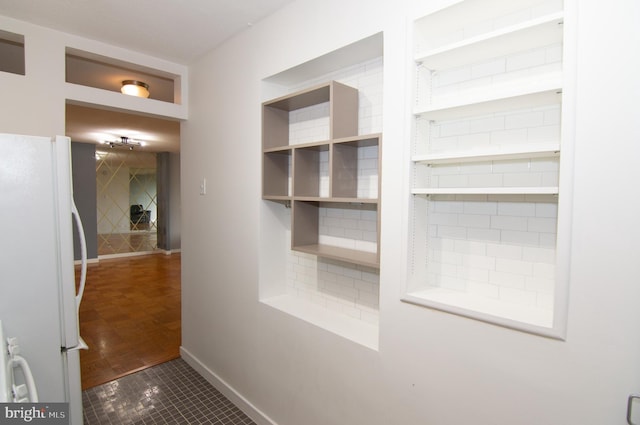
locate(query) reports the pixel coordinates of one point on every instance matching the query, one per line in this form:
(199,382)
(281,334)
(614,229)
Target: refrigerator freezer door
(37,279)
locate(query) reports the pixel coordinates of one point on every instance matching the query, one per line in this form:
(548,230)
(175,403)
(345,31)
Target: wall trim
(127,254)
(89,261)
(221,385)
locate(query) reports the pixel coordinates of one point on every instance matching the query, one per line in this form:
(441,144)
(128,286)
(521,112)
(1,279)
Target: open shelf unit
(486,156)
(293,173)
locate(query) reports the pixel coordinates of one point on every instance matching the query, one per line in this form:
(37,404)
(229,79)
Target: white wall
(431,367)
(34,103)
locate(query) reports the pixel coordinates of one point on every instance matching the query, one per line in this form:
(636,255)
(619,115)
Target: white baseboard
(89,261)
(127,254)
(234,396)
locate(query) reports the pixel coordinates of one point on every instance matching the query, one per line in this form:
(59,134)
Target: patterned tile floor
(170,393)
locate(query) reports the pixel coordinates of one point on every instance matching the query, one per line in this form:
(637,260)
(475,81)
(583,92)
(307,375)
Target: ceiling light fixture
(135,88)
(125,142)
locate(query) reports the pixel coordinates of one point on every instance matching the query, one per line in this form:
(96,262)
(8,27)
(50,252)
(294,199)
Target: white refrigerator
(39,300)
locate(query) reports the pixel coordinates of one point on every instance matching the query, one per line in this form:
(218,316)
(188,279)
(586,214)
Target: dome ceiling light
(135,88)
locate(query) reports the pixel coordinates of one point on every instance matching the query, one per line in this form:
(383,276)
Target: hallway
(130,316)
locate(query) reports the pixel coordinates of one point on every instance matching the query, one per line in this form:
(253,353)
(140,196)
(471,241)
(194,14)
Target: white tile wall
(512,173)
(342,287)
(483,78)
(368,172)
(312,124)
(337,286)
(504,129)
(493,248)
(351,227)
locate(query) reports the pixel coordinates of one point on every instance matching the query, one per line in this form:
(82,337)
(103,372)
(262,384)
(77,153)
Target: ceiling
(179,31)
(90,125)
(176,31)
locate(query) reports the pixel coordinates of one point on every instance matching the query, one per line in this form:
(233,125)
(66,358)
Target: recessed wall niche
(491,163)
(92,70)
(12,53)
(324,268)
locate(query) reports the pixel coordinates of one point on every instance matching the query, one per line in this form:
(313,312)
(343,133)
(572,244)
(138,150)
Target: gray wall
(174,189)
(83,163)
(168,180)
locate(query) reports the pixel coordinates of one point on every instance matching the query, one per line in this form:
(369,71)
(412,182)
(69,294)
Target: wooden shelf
(546,90)
(543,190)
(302,99)
(283,150)
(537,32)
(343,112)
(301,167)
(360,141)
(546,150)
(369,259)
(336,200)
(276,198)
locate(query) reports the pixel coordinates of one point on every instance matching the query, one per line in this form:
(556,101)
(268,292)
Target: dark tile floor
(170,393)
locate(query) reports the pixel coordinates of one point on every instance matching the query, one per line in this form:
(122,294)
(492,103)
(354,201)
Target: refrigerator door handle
(25,392)
(81,346)
(83,254)
(83,274)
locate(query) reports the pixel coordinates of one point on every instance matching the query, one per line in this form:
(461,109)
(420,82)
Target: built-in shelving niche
(12,53)
(491,164)
(319,254)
